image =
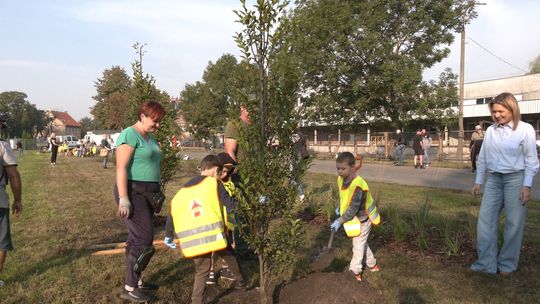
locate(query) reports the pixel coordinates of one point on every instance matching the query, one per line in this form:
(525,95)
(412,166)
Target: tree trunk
(263,282)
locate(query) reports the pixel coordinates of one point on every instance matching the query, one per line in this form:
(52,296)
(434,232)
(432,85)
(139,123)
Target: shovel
(325,256)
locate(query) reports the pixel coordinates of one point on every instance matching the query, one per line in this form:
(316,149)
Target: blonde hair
(508,101)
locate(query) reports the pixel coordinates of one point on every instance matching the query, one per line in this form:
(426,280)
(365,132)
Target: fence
(381,144)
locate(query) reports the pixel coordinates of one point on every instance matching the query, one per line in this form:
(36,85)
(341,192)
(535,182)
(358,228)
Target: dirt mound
(327,288)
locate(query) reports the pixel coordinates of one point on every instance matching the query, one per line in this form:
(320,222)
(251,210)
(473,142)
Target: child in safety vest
(230,220)
(200,224)
(356,212)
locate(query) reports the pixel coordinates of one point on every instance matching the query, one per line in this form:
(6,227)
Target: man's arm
(230,147)
(16,187)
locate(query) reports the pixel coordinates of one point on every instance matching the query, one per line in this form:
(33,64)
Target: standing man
(8,173)
(418,147)
(399,150)
(105,145)
(476,143)
(232,135)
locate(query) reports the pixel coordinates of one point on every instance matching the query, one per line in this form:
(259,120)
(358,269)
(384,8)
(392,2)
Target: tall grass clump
(399,226)
(420,223)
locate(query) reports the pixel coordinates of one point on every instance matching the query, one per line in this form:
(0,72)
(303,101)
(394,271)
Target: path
(436,177)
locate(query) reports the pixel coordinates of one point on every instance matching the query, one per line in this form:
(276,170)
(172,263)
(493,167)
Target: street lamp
(462,81)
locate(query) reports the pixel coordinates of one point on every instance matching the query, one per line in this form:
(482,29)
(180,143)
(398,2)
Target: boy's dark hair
(346,157)
(210,161)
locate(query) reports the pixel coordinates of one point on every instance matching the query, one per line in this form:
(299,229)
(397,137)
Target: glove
(262,199)
(335,225)
(124,207)
(337,211)
(169,242)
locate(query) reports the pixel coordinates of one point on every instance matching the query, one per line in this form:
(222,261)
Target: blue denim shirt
(507,151)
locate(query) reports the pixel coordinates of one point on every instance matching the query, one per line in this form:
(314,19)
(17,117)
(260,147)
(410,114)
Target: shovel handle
(331,240)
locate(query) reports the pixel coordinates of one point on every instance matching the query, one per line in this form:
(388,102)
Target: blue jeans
(398,154)
(426,156)
(502,191)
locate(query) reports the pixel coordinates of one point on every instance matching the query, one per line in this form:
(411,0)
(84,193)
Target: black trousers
(139,225)
(54,152)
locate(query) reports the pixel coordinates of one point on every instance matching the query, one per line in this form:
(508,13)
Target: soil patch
(329,287)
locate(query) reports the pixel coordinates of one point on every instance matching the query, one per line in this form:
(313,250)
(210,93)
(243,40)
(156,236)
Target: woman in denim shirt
(508,158)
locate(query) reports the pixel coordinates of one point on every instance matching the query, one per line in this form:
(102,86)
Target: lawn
(424,244)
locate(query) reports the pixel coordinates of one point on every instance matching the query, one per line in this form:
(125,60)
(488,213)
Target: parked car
(71,140)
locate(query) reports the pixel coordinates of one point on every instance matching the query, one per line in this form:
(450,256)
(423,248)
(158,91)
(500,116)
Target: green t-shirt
(232,131)
(145,162)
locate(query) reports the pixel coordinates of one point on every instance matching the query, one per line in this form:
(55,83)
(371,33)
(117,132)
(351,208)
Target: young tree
(144,89)
(112,99)
(268,195)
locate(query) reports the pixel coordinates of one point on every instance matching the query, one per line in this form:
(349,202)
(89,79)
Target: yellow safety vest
(230,220)
(198,218)
(352,227)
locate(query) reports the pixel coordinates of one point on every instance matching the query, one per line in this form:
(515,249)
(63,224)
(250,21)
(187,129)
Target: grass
(69,208)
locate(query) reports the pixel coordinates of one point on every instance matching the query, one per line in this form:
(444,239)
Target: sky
(54,50)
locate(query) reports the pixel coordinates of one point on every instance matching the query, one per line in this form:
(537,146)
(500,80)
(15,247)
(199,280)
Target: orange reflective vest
(198,218)
(352,227)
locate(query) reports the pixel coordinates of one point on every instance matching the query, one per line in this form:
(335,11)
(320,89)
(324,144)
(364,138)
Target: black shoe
(136,296)
(227,274)
(148,286)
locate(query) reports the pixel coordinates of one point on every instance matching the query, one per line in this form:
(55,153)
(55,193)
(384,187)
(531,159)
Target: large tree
(23,118)
(364,59)
(202,101)
(112,99)
(535,65)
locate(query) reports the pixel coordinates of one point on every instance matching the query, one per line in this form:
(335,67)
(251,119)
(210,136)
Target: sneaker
(227,274)
(357,276)
(147,286)
(375,268)
(136,296)
(211,280)
(2,283)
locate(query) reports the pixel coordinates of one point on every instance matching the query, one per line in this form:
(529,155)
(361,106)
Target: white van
(71,140)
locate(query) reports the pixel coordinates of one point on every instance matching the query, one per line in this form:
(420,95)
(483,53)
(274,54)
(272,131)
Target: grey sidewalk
(459,179)
(446,178)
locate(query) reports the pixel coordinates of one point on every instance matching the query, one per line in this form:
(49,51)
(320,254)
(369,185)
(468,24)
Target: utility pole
(461,94)
(461,132)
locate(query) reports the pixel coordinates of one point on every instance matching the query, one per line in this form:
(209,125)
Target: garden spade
(325,256)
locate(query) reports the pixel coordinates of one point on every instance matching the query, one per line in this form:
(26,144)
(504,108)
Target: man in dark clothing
(399,150)
(418,147)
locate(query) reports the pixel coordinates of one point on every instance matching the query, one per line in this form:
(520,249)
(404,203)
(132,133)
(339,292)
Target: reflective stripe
(202,241)
(200,229)
(371,208)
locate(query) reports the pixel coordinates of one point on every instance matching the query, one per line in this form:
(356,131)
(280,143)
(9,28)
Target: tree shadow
(410,296)
(60,258)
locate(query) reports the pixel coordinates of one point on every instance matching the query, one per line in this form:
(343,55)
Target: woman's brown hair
(508,101)
(153,110)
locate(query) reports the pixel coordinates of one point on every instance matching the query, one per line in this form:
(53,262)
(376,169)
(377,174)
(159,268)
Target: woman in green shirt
(138,159)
